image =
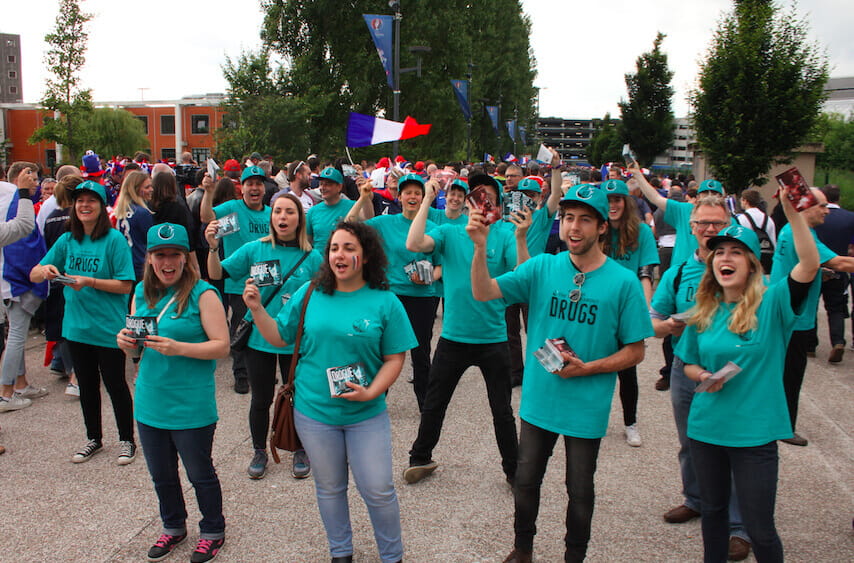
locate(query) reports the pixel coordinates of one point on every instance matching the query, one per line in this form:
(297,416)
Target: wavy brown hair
(374,261)
(710,293)
(153,289)
(627,233)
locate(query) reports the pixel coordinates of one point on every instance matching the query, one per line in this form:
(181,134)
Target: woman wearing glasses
(632,244)
(734,427)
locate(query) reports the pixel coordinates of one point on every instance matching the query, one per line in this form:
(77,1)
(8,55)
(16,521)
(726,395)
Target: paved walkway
(53,510)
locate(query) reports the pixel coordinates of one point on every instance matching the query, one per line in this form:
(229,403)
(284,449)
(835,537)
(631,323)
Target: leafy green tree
(647,118)
(760,91)
(606,144)
(110,132)
(64,59)
(838,139)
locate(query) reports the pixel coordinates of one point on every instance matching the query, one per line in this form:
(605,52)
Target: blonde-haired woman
(133,217)
(287,255)
(734,427)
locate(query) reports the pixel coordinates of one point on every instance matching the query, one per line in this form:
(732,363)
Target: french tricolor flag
(364,130)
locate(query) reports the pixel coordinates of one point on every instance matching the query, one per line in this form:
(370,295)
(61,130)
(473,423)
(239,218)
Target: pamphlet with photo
(339,376)
(515,201)
(268,272)
(797,189)
(227,225)
(549,354)
(423,268)
(478,199)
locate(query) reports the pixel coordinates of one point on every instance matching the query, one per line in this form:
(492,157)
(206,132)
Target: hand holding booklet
(726,373)
(549,354)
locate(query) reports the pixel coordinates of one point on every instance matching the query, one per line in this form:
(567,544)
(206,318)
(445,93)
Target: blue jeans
(451,360)
(364,447)
(754,472)
(535,449)
(14,364)
(681,395)
(162,448)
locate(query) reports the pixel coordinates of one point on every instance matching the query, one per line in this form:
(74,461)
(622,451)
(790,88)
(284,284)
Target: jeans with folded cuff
(238,311)
(421,312)
(162,448)
(681,395)
(261,369)
(93,364)
(449,363)
(753,471)
(535,449)
(14,364)
(365,449)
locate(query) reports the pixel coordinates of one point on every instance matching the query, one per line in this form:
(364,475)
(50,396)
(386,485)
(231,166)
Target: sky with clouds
(582,50)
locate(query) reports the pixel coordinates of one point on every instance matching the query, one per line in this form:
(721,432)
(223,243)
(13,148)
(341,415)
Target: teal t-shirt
(538,233)
(678,215)
(467,320)
(322,218)
(438,217)
(751,408)
(93,316)
(786,258)
(175,392)
(393,229)
(253,225)
(646,254)
(342,329)
(238,265)
(612,311)
(666,301)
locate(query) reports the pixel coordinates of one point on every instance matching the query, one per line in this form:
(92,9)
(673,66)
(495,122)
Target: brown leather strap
(295,357)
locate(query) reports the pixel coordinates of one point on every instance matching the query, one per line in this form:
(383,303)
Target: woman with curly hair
(734,427)
(353,348)
(632,244)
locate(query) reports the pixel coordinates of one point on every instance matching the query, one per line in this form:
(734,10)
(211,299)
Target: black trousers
(261,369)
(793,371)
(514,338)
(238,310)
(422,314)
(93,364)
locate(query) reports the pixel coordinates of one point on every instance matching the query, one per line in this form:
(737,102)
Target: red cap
(231,165)
(399,159)
(384,162)
(419,165)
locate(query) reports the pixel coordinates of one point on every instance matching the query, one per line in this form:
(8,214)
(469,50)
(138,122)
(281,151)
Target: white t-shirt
(758,218)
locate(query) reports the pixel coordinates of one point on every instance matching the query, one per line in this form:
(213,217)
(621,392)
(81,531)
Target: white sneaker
(127,453)
(31,392)
(14,403)
(72,390)
(633,437)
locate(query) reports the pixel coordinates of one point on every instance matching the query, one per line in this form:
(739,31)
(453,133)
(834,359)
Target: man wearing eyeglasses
(512,176)
(598,308)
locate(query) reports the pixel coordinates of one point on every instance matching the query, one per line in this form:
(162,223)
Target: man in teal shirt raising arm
(598,307)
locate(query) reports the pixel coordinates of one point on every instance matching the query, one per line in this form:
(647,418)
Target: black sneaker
(86,452)
(301,467)
(206,550)
(258,465)
(164,546)
(241,386)
(127,453)
(415,473)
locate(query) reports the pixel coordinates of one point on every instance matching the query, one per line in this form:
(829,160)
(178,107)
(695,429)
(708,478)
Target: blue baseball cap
(529,185)
(332,174)
(591,196)
(168,235)
(737,233)
(711,186)
(614,187)
(252,172)
(93,187)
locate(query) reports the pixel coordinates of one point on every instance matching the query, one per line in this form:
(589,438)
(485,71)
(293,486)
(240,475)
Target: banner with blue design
(493,115)
(381,32)
(461,89)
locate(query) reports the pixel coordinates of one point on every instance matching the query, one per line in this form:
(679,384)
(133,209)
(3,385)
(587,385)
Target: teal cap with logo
(90,186)
(410,179)
(711,186)
(614,187)
(590,195)
(529,185)
(459,184)
(252,172)
(168,235)
(737,233)
(332,174)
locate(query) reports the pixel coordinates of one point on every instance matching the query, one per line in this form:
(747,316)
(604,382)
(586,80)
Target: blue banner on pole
(381,32)
(511,129)
(461,89)
(523,135)
(493,115)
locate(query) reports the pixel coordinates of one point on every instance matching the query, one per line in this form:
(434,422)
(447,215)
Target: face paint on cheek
(355,262)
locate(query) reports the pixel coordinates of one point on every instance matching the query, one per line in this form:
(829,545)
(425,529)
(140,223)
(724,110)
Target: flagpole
(396,91)
(350,158)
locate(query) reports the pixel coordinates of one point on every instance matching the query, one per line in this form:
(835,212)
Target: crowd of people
(343,268)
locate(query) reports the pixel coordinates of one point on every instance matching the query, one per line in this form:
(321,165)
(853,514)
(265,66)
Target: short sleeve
(56,255)
(238,264)
(222,209)
(398,335)
(664,299)
(515,285)
(824,253)
(634,318)
(687,349)
(309,222)
(122,259)
(647,247)
(677,214)
(438,236)
(288,317)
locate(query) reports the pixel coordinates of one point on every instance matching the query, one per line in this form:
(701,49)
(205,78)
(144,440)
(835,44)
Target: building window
(200,125)
(166,154)
(167,126)
(13,89)
(10,42)
(144,120)
(201,155)
(13,74)
(11,58)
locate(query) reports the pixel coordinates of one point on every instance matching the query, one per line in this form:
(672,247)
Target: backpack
(765,245)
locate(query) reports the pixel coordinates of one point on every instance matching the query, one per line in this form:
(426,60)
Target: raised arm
(206,212)
(417,240)
(807,267)
(214,263)
(365,203)
(483,287)
(648,191)
(556,183)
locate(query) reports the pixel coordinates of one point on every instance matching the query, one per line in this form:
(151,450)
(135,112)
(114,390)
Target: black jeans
(836,305)
(754,471)
(92,364)
(449,363)
(793,371)
(238,310)
(629,394)
(667,350)
(514,338)
(422,313)
(261,369)
(535,449)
